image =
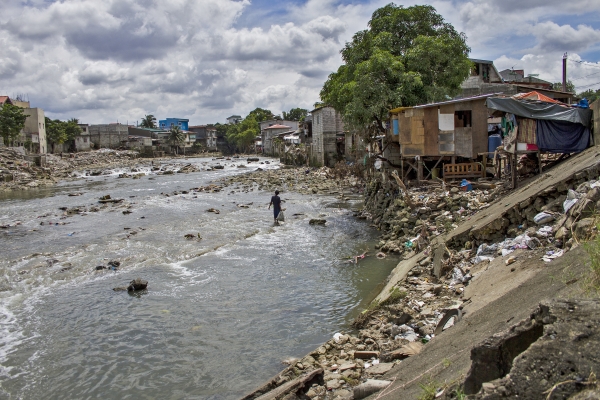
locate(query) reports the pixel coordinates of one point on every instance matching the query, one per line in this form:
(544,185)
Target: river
(220,313)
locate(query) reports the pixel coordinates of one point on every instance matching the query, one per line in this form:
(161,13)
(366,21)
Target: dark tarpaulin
(541,111)
(561,136)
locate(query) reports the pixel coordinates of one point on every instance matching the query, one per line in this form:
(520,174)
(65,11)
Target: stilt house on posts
(533,124)
(449,132)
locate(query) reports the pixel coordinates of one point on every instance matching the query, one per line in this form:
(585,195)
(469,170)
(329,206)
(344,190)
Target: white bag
(280,216)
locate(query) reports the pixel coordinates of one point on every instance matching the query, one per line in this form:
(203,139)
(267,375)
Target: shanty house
(455,128)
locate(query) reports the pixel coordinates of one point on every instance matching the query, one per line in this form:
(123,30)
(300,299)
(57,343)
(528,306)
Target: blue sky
(117,60)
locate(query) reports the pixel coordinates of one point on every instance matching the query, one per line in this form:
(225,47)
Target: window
(462,119)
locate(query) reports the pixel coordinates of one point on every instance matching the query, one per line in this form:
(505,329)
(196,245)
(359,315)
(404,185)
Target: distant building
(33,134)
(270,133)
(234,119)
(34,130)
(206,135)
(485,79)
(327,127)
(83,142)
(517,76)
(171,122)
(111,136)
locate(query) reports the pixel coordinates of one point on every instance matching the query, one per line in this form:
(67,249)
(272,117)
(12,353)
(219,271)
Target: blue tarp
(561,136)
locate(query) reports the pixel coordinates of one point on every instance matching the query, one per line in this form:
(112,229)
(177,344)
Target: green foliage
(56,131)
(558,86)
(59,132)
(590,94)
(261,114)
(429,389)
(176,136)
(242,135)
(12,120)
(295,114)
(408,56)
(72,129)
(148,121)
(395,296)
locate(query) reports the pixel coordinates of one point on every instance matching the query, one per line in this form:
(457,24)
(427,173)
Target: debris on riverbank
(426,293)
(17,172)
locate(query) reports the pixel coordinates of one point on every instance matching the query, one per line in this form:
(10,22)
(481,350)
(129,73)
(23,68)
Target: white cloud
(109,60)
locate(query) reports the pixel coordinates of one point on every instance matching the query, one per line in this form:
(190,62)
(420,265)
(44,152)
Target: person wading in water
(276,203)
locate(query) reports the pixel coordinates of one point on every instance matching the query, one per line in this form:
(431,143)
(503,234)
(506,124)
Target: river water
(220,313)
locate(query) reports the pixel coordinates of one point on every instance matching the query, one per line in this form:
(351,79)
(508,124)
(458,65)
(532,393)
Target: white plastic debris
(551,255)
(337,337)
(543,218)
(572,198)
(544,231)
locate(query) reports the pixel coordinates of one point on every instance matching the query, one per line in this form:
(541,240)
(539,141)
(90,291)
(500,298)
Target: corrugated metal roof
(464,99)
(277,127)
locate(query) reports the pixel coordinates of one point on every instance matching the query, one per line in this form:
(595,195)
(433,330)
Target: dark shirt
(276,201)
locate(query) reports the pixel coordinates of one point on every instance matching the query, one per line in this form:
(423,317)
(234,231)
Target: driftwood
(404,189)
(279,392)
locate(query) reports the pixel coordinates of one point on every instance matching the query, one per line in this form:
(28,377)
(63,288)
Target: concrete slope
(446,359)
(486,223)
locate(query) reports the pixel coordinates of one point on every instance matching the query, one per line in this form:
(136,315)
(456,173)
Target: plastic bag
(280,216)
(543,218)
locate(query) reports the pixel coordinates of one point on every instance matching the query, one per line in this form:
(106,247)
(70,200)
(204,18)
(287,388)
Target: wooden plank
(405,121)
(366,355)
(290,386)
(412,150)
(430,121)
(479,133)
(447,109)
(418,131)
(463,144)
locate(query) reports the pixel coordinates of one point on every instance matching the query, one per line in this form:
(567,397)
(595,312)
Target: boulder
(137,284)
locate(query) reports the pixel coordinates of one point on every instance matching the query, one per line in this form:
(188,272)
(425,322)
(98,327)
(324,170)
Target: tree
(408,56)
(148,121)
(72,129)
(12,120)
(558,86)
(261,114)
(176,136)
(56,132)
(295,114)
(590,94)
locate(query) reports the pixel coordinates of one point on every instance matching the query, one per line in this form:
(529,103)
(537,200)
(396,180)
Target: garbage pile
(409,218)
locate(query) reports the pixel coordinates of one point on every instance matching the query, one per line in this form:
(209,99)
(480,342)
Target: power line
(587,63)
(586,86)
(581,77)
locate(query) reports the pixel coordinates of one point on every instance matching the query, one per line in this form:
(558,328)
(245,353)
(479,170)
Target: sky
(105,61)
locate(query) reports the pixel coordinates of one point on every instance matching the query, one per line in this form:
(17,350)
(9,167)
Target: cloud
(103,61)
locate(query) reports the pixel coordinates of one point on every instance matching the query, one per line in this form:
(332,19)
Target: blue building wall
(167,123)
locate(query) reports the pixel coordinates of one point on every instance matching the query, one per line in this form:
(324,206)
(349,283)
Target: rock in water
(317,221)
(137,284)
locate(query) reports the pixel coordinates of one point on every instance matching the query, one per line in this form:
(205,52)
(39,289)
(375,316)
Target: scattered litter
(551,255)
(510,260)
(543,218)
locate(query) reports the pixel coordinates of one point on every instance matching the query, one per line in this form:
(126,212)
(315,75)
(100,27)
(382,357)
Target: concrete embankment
(456,289)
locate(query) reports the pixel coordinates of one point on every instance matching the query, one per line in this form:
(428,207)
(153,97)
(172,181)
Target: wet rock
(137,284)
(317,221)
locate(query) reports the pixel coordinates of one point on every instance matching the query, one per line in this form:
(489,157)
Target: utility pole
(564,82)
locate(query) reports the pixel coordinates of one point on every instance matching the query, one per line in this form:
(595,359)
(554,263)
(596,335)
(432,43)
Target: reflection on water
(220,312)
